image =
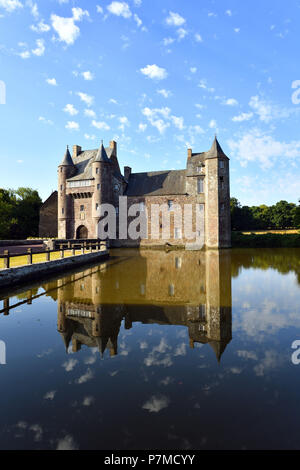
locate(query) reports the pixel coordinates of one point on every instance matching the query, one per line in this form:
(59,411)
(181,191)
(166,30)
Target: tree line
(20,208)
(283,215)
(19,213)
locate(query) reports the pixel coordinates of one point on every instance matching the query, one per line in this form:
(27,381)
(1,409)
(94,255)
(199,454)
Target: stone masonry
(90,178)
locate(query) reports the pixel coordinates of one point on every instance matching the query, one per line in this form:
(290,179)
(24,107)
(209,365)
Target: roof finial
(101,141)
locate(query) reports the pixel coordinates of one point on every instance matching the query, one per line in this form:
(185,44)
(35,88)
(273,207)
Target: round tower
(65,171)
(101,175)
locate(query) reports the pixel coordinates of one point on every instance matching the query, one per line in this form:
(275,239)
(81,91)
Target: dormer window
(199,169)
(222,164)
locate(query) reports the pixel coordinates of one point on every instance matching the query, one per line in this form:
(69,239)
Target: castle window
(178,263)
(98,186)
(97,171)
(177,233)
(200,185)
(201,207)
(170,205)
(171,290)
(222,164)
(117,210)
(142,207)
(199,169)
(97,206)
(81,208)
(142,289)
(222,207)
(63,210)
(61,187)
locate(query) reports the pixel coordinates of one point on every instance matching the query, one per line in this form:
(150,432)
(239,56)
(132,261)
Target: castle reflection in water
(191,289)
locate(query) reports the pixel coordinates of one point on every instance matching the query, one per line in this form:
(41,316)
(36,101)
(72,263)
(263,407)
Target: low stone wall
(24,274)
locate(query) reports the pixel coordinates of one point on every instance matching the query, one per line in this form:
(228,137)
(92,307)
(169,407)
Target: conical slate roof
(101,155)
(216,150)
(67,160)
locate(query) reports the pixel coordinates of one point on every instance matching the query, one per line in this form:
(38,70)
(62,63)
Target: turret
(65,171)
(102,182)
(217,198)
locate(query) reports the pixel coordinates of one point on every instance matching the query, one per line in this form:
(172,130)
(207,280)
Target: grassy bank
(266,240)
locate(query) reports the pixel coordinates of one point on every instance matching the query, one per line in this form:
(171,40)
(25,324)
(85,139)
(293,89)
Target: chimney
(127,172)
(76,150)
(113,146)
(190,154)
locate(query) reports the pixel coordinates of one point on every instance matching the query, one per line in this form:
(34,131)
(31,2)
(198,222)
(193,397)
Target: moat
(155,350)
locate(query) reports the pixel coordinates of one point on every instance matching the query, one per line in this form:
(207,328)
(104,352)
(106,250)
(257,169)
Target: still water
(155,350)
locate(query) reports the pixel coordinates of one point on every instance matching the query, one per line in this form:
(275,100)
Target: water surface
(155,350)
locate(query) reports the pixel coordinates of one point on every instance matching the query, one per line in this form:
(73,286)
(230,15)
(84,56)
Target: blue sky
(158,76)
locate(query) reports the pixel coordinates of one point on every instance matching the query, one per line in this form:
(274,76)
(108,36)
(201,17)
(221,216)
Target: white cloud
(242,117)
(85,377)
(40,48)
(24,54)
(158,117)
(33,8)
(87,75)
(72,126)
(174,19)
(193,69)
(50,395)
(142,127)
(198,37)
(267,111)
(10,5)
(137,20)
(154,72)
(100,125)
(181,32)
(90,137)
(51,81)
(66,28)
(87,99)
(230,102)
(228,13)
(41,27)
(70,109)
(262,149)
(213,124)
(120,9)
(70,364)
(67,443)
(113,101)
(99,9)
(168,41)
(45,121)
(164,93)
(237,30)
(156,403)
(88,401)
(89,113)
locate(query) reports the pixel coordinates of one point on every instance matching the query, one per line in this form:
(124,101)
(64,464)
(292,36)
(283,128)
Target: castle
(90,178)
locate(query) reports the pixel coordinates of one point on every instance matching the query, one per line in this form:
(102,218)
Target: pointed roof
(67,160)
(101,154)
(216,150)
(218,347)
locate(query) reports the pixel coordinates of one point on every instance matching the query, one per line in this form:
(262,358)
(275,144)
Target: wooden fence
(84,247)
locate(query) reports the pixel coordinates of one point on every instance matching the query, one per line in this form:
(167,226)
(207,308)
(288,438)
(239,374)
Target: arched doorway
(82,232)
